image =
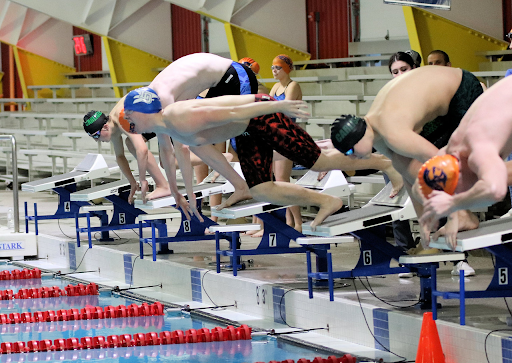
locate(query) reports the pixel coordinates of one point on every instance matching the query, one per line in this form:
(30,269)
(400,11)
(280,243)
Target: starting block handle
(235,227)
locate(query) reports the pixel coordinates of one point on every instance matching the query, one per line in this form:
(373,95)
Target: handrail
(16,208)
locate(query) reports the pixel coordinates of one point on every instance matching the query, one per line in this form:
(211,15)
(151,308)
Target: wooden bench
(20,102)
(50,134)
(87,74)
(494,55)
(125,86)
(314,79)
(109,101)
(369,60)
(488,75)
(72,87)
(365,78)
(74,136)
(355,99)
(47,117)
(383,47)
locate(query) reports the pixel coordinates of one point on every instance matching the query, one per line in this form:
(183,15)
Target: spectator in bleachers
(438,58)
(399,63)
(286,89)
(416,57)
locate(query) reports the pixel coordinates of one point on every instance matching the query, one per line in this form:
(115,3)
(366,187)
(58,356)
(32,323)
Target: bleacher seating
(55,124)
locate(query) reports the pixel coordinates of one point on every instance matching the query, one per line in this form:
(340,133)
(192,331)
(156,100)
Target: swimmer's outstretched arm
(194,115)
(168,152)
(216,160)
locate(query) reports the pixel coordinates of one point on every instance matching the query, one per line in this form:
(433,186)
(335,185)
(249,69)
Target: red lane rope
(87,313)
(20,275)
(45,292)
(347,358)
(126,340)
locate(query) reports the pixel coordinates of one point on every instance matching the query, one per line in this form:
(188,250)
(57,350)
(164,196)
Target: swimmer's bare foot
(467,220)
(395,178)
(331,205)
(159,192)
(250,233)
(258,234)
(237,196)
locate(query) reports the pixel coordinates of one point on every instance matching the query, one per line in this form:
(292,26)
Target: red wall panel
(333,29)
(6,61)
(507,16)
(90,62)
(186,32)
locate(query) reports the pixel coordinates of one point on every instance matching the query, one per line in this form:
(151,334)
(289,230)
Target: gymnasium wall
(149,29)
(283,21)
(378,18)
(483,16)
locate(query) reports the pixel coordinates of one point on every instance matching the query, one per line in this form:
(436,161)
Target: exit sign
(82,44)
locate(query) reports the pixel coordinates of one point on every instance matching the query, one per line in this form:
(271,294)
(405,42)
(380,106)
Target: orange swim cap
(284,62)
(251,63)
(439,173)
(123,122)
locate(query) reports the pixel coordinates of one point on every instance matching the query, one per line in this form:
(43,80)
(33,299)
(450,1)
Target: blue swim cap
(144,100)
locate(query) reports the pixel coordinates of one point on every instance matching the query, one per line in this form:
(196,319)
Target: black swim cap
(94,121)
(346,131)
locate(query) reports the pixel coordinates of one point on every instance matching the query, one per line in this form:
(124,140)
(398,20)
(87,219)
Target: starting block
(124,214)
(93,166)
(193,229)
(277,234)
(494,236)
(363,223)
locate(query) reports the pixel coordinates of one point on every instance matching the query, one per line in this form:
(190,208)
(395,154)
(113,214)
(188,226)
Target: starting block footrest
(324,240)
(235,227)
(437,257)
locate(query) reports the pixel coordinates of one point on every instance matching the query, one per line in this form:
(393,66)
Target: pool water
(259,349)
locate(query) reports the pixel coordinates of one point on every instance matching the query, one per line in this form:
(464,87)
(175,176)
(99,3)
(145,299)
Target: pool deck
(272,291)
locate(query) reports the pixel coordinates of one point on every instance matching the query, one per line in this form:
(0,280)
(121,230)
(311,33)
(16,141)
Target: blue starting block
(92,167)
(494,236)
(193,229)
(276,233)
(124,214)
(366,224)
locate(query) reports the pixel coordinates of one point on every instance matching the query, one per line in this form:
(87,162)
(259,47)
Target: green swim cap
(346,131)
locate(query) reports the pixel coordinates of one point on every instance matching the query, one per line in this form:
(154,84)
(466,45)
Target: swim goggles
(349,152)
(96,135)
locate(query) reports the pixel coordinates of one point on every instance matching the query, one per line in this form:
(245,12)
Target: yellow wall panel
(428,31)
(129,64)
(36,70)
(243,43)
